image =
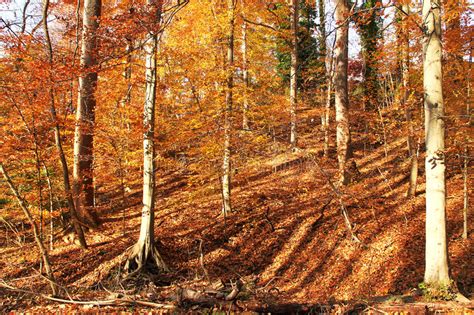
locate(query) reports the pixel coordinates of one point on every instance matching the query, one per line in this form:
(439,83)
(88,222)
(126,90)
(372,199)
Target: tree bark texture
(85,114)
(340,87)
(294,72)
(57,138)
(226,165)
(436,269)
(144,250)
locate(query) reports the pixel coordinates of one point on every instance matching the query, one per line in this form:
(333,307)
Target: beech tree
(294,72)
(57,134)
(369,21)
(436,258)
(341,87)
(245,77)
(144,251)
(226,166)
(85,114)
(404,42)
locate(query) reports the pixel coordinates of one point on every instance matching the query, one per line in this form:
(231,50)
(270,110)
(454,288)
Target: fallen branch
(207,297)
(110,302)
(339,194)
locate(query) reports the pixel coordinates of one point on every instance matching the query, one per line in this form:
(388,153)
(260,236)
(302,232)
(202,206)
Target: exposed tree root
(140,256)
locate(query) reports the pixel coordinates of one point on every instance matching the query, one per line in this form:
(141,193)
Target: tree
(226,166)
(85,114)
(57,135)
(294,72)
(369,22)
(245,77)
(144,251)
(340,86)
(404,42)
(24,206)
(436,259)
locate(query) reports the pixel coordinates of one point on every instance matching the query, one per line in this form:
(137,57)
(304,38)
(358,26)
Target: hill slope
(286,239)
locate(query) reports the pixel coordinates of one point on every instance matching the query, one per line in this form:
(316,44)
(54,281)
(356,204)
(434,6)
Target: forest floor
(286,240)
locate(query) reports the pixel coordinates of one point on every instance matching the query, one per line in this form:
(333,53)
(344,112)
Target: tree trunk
(340,87)
(294,72)
(144,251)
(42,249)
(57,136)
(245,73)
(51,206)
(326,90)
(405,65)
(369,34)
(436,271)
(465,191)
(327,111)
(226,166)
(85,114)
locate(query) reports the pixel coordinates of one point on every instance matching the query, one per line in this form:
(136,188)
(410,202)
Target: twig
(341,202)
(201,260)
(111,302)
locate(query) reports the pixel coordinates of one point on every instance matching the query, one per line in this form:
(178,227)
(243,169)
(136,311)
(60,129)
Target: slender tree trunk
(57,136)
(85,114)
(369,37)
(51,206)
(144,251)
(327,111)
(26,211)
(405,65)
(226,167)
(294,72)
(465,192)
(245,73)
(436,271)
(340,87)
(327,116)
(325,90)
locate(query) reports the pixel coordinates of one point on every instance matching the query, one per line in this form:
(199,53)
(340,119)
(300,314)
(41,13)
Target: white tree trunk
(294,72)
(144,250)
(340,87)
(436,271)
(226,166)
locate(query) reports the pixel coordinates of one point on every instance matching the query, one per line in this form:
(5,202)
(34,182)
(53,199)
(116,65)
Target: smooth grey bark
(294,72)
(144,251)
(226,165)
(436,253)
(57,136)
(341,87)
(44,253)
(85,114)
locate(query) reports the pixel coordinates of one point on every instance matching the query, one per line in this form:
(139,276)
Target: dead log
(208,297)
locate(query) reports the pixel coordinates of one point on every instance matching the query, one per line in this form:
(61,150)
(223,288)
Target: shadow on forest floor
(281,236)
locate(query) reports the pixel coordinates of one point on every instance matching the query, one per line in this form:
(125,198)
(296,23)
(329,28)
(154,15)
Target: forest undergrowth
(286,241)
